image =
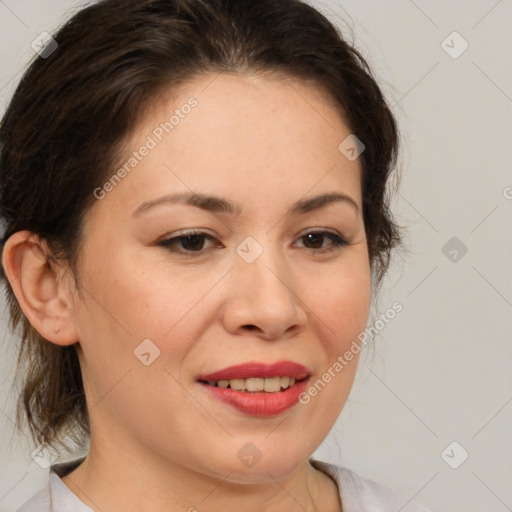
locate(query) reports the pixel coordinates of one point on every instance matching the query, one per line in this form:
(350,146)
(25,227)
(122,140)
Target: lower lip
(259,404)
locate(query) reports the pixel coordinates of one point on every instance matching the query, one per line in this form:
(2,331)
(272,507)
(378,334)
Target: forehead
(251,138)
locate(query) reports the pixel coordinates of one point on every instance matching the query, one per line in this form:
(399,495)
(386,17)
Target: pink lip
(244,371)
(259,403)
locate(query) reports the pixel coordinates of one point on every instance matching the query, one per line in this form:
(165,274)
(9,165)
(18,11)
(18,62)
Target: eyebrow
(217,204)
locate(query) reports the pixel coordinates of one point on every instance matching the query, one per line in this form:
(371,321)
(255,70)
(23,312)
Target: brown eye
(316,240)
(187,244)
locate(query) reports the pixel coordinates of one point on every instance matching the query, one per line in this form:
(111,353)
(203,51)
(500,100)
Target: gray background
(440,371)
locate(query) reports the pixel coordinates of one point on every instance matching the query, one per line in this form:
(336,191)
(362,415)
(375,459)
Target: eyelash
(337,242)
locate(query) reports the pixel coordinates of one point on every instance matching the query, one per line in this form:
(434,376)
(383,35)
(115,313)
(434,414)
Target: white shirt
(356,494)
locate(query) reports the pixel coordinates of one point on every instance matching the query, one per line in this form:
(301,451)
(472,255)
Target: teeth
(255,384)
(237,384)
(272,385)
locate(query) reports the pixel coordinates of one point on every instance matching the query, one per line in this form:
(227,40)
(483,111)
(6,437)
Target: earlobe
(40,288)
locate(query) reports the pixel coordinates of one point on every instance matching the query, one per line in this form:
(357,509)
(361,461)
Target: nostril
(250,327)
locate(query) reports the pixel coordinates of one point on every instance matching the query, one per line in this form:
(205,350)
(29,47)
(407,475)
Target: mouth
(258,389)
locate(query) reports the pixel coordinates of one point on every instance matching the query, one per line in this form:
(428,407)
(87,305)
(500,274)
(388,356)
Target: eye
(316,238)
(192,243)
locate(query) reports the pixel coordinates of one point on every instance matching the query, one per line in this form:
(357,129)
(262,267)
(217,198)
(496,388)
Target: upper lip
(256,369)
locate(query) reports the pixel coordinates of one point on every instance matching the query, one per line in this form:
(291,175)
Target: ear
(43,291)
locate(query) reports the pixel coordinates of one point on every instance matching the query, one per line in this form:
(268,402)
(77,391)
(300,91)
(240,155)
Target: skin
(158,440)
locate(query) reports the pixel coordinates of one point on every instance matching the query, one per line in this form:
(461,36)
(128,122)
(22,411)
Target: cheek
(342,303)
(141,299)
(342,308)
(125,306)
(340,314)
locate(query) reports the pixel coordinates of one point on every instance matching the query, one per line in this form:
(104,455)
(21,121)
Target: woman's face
(255,285)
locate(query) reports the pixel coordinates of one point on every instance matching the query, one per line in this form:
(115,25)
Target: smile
(257,389)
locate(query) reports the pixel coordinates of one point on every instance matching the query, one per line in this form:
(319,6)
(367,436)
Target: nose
(262,299)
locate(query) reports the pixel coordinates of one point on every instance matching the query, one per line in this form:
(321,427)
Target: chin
(254,461)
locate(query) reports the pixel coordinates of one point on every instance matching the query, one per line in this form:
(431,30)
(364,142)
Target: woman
(194,195)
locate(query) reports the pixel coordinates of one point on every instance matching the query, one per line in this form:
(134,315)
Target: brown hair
(63,130)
